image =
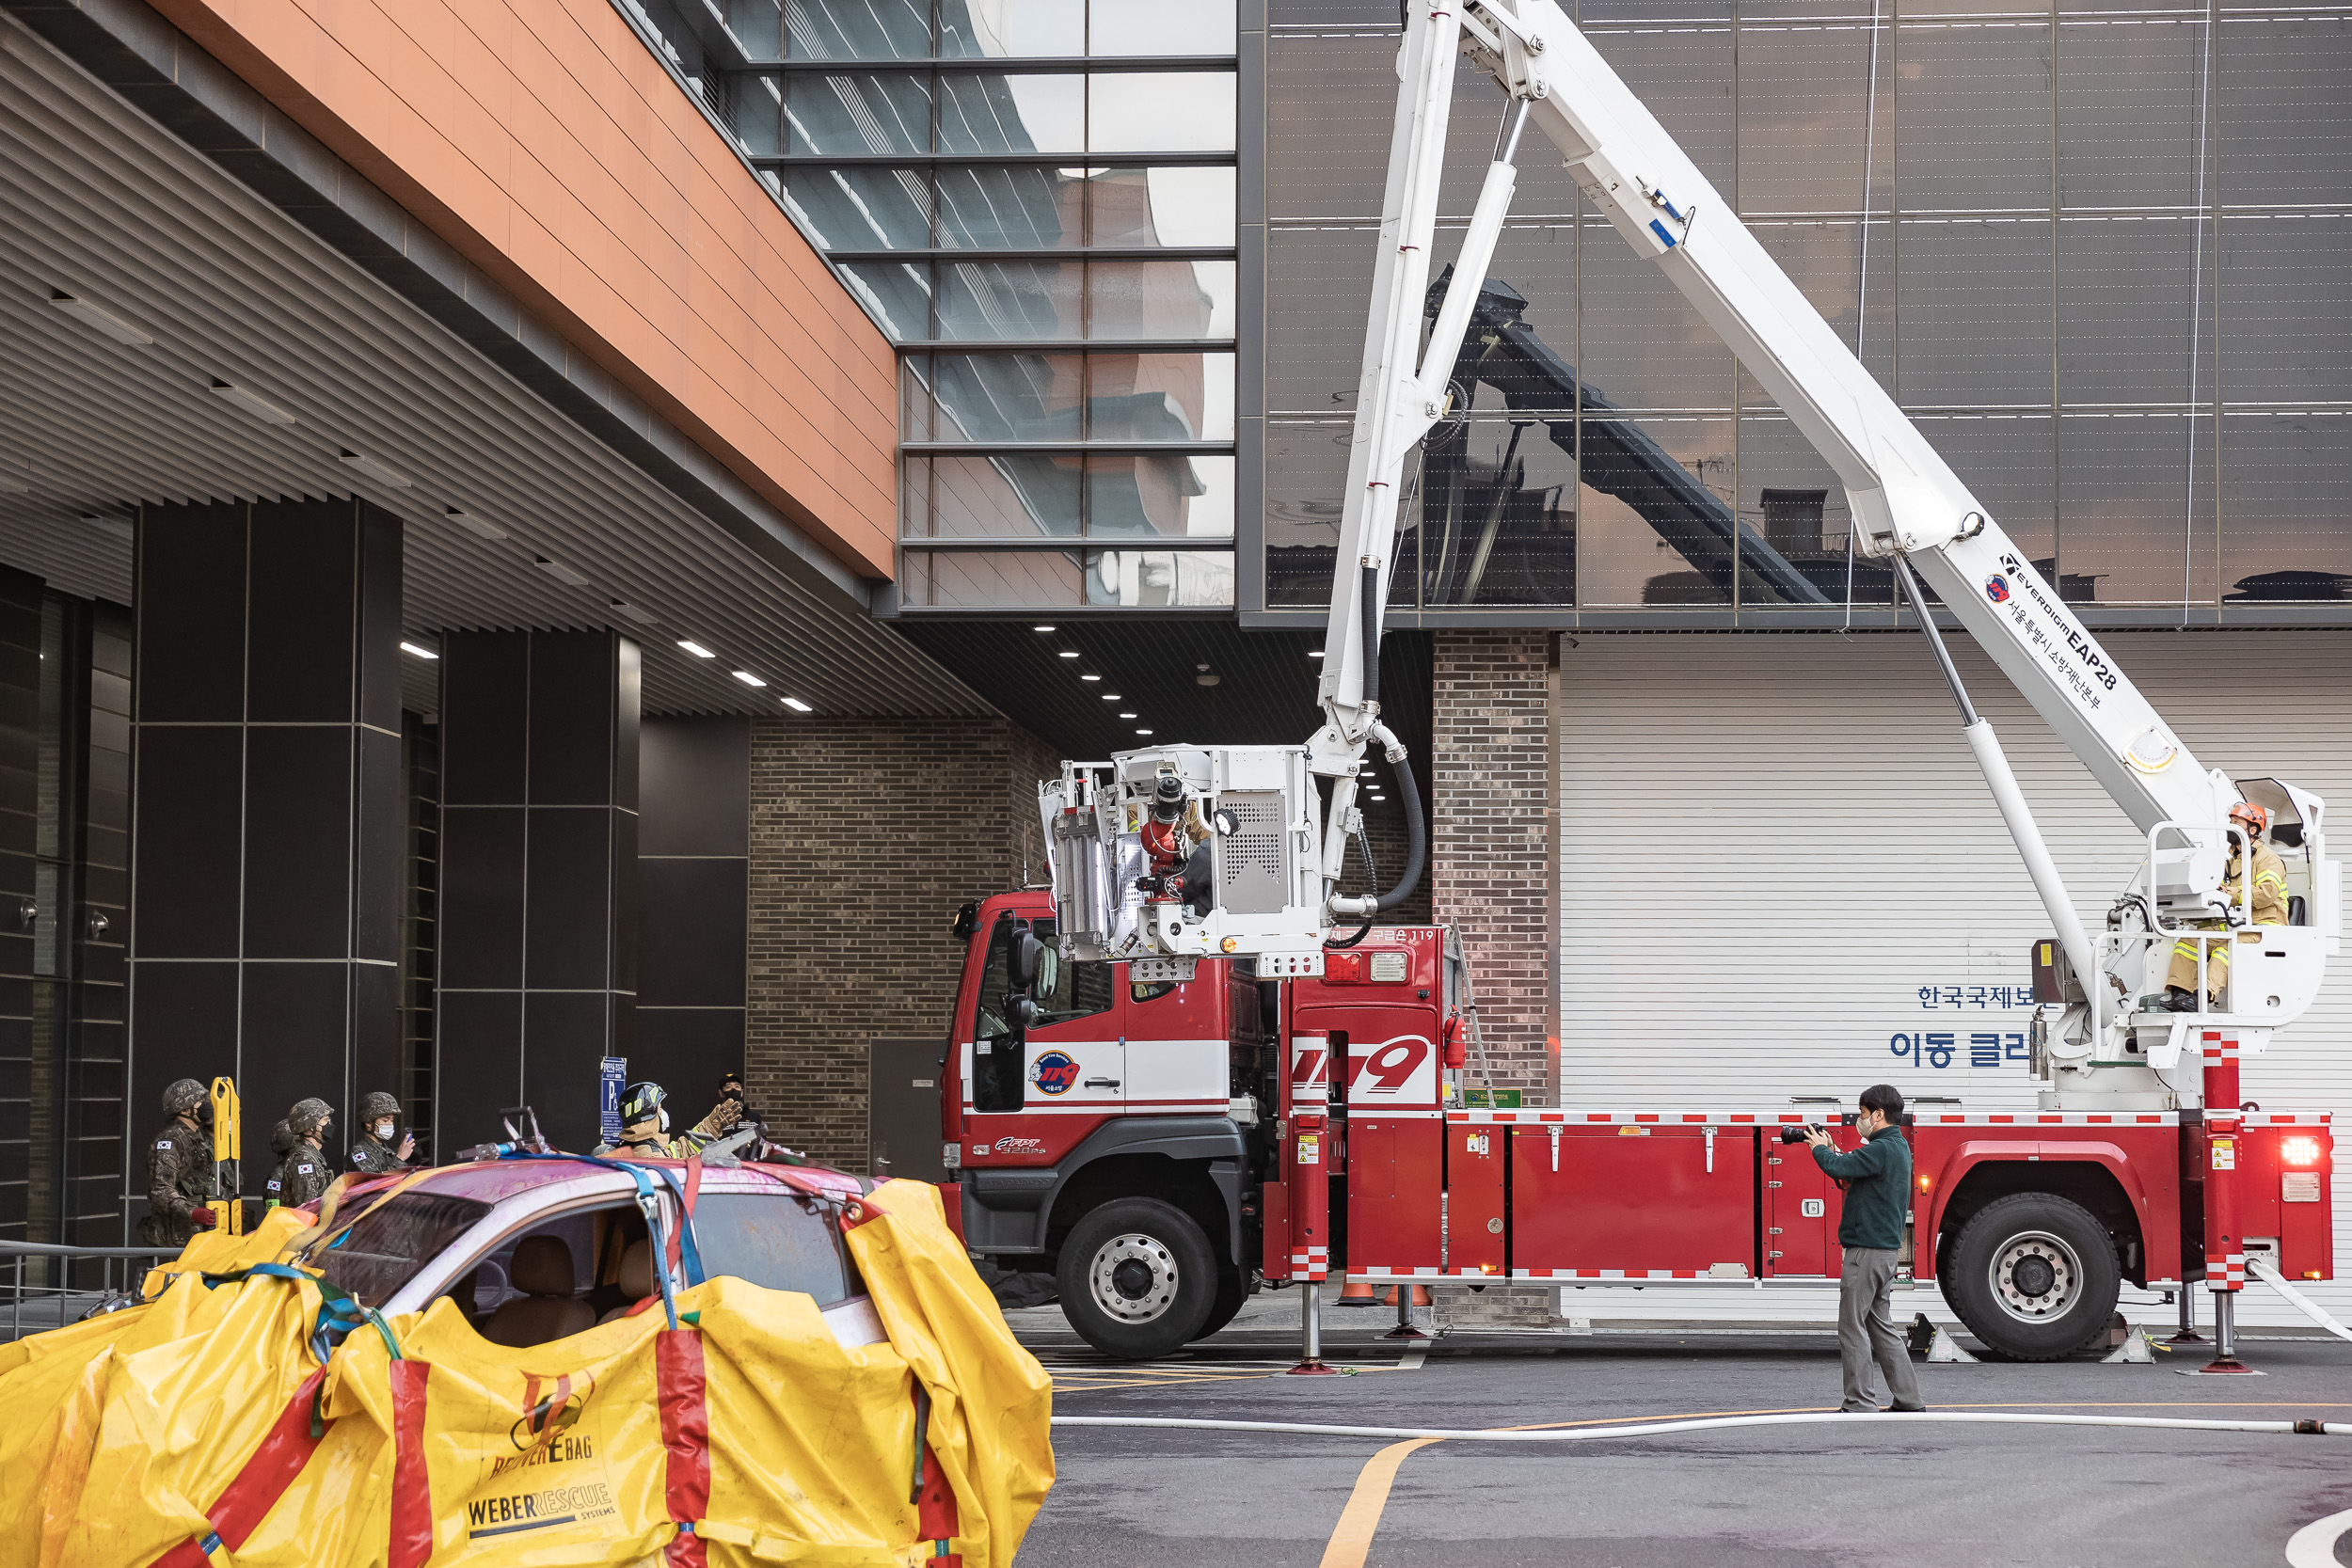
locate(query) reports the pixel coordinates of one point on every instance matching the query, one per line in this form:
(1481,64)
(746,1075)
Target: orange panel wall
(542,140)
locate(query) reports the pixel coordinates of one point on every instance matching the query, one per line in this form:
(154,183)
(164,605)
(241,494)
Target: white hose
(1587,1434)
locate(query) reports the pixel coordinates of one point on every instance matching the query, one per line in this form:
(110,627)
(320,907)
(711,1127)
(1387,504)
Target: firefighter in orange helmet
(2269,898)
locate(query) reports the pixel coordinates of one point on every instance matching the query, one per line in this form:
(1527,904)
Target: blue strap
(689,1256)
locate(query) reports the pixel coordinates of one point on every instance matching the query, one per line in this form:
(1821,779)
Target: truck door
(1037,1091)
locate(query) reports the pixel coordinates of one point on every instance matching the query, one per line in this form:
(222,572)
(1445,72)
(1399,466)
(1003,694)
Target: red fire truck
(1165,1136)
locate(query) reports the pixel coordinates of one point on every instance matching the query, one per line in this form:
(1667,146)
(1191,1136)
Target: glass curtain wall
(1037,200)
(2082,245)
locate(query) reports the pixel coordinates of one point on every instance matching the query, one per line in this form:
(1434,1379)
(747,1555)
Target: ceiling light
(696,648)
(1069,653)
(797,706)
(472,524)
(1089,677)
(1143,732)
(1317,653)
(748,678)
(1126,715)
(1041,628)
(418,649)
(106,320)
(642,616)
(1206,680)
(1110,696)
(252,402)
(375,471)
(560,572)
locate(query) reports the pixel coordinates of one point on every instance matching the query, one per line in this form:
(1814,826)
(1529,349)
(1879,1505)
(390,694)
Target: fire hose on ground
(1648,1429)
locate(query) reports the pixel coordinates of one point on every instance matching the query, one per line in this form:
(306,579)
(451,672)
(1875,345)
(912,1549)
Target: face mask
(384,1131)
(204,1113)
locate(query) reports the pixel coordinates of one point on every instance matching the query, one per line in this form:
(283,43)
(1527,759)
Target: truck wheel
(1137,1279)
(2034,1278)
(1232,1290)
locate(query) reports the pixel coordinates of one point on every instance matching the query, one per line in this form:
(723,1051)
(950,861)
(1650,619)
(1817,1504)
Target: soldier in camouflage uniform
(180,1175)
(281,1142)
(306,1172)
(375,1152)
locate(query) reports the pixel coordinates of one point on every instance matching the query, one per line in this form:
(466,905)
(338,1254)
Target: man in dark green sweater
(1877,1179)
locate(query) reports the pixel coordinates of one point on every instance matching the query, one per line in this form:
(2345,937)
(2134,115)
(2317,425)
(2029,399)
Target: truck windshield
(386,1245)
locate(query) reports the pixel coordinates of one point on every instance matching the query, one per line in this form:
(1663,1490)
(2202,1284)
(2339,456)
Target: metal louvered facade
(1772,849)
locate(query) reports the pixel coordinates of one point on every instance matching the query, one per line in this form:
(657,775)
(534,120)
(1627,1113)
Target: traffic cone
(1420,1296)
(1357,1294)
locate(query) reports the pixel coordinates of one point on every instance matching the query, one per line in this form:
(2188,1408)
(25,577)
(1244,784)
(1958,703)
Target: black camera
(1795,1134)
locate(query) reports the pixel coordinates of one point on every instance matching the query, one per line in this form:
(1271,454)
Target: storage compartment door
(1475,1159)
(1637,1201)
(1394,1188)
(1800,1210)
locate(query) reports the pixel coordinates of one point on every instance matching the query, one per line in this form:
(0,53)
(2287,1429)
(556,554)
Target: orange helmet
(2257,819)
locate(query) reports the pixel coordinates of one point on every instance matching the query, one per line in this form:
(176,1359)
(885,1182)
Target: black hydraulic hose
(1415,838)
(1372,634)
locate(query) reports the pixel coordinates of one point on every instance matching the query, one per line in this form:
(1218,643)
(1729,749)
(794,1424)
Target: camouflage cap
(307,1117)
(184,1097)
(378,1105)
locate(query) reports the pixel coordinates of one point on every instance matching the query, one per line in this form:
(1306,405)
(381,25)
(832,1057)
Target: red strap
(694,1189)
(284,1450)
(935,1509)
(686,1436)
(412,1483)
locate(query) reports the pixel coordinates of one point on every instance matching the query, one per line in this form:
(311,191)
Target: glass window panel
(1794,525)
(1010,495)
(1973,106)
(1160,299)
(1160,397)
(914,398)
(1825,258)
(1317,283)
(899,292)
(1183,497)
(1805,117)
(2287,110)
(1009,299)
(1010,207)
(2135,304)
(1177,111)
(914,497)
(1644,346)
(1520,351)
(862,209)
(2131,105)
(757,26)
(868,112)
(1655,510)
(751,108)
(1973,296)
(1305,470)
(1683,73)
(2135,508)
(982,580)
(1008,397)
(2287,537)
(1497,508)
(1011,114)
(1329,102)
(2286,299)
(995,30)
(1160,27)
(2008,463)
(1135,207)
(861,30)
(1132,579)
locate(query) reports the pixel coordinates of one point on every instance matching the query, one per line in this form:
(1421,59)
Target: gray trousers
(1867,1331)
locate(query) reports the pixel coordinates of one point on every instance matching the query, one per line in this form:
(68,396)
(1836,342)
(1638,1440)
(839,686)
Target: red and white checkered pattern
(1572,1116)
(1312,1264)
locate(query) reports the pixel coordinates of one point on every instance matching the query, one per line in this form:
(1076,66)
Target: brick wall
(1491,843)
(865,834)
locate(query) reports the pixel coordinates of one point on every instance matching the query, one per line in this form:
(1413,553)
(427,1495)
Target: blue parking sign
(612,1074)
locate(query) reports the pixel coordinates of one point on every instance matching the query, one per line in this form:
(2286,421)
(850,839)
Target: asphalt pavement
(1828,1496)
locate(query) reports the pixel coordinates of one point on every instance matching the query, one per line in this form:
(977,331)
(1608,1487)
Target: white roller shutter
(1772,844)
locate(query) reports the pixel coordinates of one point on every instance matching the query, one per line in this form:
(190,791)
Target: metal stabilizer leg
(1310,1333)
(2225,1361)
(1404,1328)
(2188,1335)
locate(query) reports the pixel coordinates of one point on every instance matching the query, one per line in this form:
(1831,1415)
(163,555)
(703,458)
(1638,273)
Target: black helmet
(376,1106)
(641,1101)
(307,1117)
(184,1097)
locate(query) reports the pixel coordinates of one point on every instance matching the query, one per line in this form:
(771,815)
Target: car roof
(493,1181)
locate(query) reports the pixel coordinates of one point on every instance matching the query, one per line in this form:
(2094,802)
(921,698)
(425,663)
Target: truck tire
(1232,1290)
(1137,1279)
(2034,1277)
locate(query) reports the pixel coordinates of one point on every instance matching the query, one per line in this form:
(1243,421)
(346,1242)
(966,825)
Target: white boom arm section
(1907,506)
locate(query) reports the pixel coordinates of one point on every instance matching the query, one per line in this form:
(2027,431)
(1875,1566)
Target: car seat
(637,1281)
(547,1309)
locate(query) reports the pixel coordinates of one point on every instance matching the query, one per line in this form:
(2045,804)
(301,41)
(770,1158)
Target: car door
(1037,1092)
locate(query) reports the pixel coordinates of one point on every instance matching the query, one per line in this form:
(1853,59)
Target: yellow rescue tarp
(199,1431)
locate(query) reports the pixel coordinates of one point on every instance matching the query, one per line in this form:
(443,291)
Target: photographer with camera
(1877,1180)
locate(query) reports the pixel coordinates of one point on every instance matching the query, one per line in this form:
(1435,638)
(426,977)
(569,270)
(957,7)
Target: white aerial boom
(1907,505)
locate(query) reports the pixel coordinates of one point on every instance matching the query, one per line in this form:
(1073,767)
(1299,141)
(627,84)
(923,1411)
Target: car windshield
(778,1240)
(386,1245)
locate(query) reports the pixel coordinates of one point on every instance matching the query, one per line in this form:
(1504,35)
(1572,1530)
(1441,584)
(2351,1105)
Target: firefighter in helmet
(645,1126)
(180,1173)
(375,1152)
(2269,899)
(306,1172)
